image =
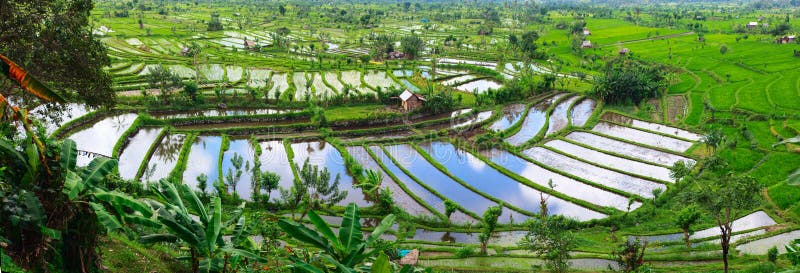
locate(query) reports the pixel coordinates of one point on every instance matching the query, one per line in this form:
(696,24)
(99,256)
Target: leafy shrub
(464,252)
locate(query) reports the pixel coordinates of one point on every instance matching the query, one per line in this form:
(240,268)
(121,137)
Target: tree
(57,47)
(726,198)
(313,190)
(723,49)
(630,255)
(364,60)
(235,174)
(489,223)
(282,10)
(550,238)
(687,217)
(268,182)
(528,44)
(449,208)
(214,24)
(679,170)
(164,80)
(626,81)
(412,45)
(202,234)
(344,252)
(202,183)
(190,88)
(713,139)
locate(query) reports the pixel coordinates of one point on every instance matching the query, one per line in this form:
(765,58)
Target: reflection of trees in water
(446,237)
(118,123)
(370,222)
(169,147)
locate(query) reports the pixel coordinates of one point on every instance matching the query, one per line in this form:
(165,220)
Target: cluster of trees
(627,81)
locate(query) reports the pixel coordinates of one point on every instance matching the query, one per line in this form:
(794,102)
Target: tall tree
(726,198)
(551,239)
(489,224)
(54,42)
(412,45)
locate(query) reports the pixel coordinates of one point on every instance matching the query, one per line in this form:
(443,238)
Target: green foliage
(344,251)
(630,255)
(687,217)
(412,46)
(464,252)
(551,239)
(627,81)
(203,234)
(488,225)
(772,254)
(793,252)
(313,190)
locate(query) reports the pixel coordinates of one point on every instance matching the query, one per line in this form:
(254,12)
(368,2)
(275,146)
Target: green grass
(784,195)
(126,256)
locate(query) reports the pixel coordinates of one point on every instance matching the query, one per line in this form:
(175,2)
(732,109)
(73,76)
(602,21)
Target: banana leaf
(350,233)
(98,169)
(105,218)
(325,229)
(381,264)
(69,154)
(26,81)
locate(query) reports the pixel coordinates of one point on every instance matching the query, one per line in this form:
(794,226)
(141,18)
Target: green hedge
(180,166)
(124,139)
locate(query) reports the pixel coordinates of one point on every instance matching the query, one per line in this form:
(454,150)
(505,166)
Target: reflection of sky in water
(511,115)
(558,120)
(203,160)
(70,112)
(274,159)
(243,148)
(133,154)
(422,169)
(324,155)
(582,111)
(101,137)
(412,185)
(164,158)
(477,173)
(563,184)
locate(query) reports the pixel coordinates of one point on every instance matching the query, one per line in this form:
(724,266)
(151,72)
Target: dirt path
(649,39)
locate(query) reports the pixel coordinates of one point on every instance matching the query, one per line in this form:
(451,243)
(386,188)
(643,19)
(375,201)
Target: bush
(628,81)
(762,267)
(772,254)
(466,251)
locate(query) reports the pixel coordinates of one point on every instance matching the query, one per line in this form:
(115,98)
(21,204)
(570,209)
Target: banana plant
(199,228)
(342,253)
(86,185)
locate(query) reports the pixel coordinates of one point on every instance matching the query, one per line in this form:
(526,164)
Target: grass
(126,256)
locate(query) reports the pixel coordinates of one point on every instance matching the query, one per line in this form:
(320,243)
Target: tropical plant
(342,253)
(713,139)
(489,223)
(188,221)
(450,207)
(630,255)
(726,198)
(793,252)
(685,219)
(314,190)
(551,239)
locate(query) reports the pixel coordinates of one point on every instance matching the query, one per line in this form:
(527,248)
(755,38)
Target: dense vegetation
(268,136)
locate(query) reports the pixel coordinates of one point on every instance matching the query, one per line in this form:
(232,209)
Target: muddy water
(562,184)
(412,161)
(132,155)
(642,137)
(401,198)
(324,155)
(274,159)
(483,177)
(533,123)
(164,158)
(619,163)
(243,148)
(608,178)
(559,119)
(511,115)
(479,86)
(654,127)
(102,136)
(627,149)
(582,111)
(203,159)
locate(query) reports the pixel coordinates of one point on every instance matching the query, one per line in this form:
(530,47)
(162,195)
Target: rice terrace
(399,136)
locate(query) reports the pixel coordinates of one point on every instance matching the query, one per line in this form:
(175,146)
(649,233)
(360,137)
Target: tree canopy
(627,81)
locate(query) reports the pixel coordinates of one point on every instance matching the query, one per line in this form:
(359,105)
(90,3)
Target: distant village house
(586,32)
(752,24)
(624,51)
(411,101)
(249,44)
(586,44)
(786,39)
